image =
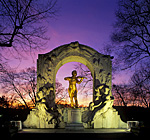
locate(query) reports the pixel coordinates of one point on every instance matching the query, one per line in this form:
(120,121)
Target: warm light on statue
(72,90)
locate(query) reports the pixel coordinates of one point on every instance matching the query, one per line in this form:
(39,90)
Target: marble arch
(99,114)
(49,63)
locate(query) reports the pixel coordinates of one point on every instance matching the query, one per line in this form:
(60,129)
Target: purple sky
(87,21)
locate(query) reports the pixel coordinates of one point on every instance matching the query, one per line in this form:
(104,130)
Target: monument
(99,114)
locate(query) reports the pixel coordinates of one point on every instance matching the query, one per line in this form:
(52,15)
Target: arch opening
(85,89)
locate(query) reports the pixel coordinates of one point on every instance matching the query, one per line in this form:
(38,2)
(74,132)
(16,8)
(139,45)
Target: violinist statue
(72,90)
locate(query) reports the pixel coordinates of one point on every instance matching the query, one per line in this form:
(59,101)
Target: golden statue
(72,90)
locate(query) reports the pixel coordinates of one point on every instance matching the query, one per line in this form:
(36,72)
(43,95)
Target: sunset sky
(87,21)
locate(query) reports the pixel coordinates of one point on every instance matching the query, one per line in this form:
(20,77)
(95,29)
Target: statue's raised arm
(67,78)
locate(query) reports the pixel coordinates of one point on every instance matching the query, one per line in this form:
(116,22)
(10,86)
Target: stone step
(74,126)
(74,134)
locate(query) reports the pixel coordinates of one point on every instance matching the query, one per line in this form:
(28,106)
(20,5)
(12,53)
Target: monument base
(39,118)
(108,119)
(74,120)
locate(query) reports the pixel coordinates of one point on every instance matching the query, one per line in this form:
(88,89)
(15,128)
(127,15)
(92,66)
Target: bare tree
(86,87)
(131,36)
(22,29)
(121,91)
(20,85)
(131,46)
(140,85)
(22,22)
(28,76)
(137,91)
(4,103)
(61,93)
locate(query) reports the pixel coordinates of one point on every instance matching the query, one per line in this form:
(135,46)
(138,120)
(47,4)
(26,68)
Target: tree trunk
(19,93)
(117,90)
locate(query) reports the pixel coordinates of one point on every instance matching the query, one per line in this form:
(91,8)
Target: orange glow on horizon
(81,103)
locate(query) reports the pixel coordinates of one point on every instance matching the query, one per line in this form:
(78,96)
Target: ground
(86,134)
(127,113)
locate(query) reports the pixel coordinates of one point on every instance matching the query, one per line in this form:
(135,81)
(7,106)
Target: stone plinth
(74,120)
(108,119)
(74,116)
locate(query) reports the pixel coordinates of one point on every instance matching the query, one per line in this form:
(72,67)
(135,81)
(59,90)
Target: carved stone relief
(48,65)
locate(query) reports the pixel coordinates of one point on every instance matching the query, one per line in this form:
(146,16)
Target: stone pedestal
(108,119)
(74,120)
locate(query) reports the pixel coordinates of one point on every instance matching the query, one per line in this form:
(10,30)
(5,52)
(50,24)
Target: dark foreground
(126,113)
(86,134)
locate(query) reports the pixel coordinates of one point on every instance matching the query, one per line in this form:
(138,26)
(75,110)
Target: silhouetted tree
(121,91)
(131,46)
(61,93)
(22,22)
(131,36)
(4,102)
(86,87)
(140,85)
(20,85)
(137,91)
